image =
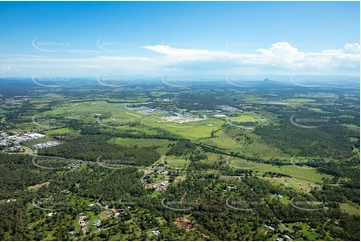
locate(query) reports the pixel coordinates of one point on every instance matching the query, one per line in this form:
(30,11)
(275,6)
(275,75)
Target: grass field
(256,149)
(163,149)
(244,118)
(176,162)
(248,117)
(351,208)
(293,182)
(61,131)
(317,110)
(309,175)
(296,102)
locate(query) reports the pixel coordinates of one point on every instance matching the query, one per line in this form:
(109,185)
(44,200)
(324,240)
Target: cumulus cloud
(350,52)
(281,49)
(280,54)
(280,57)
(352,48)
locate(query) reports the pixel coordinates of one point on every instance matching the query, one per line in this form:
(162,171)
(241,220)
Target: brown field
(37,186)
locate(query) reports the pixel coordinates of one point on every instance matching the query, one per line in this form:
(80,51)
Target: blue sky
(179,38)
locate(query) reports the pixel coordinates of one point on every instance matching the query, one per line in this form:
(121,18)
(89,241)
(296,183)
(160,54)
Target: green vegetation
(167,160)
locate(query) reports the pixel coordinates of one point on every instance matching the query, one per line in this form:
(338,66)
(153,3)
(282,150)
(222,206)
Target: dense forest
(91,151)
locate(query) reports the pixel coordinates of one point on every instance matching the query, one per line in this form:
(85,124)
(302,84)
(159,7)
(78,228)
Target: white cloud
(189,54)
(281,49)
(9,69)
(176,52)
(280,56)
(352,48)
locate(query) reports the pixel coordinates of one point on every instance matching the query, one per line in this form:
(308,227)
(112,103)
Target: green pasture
(144,143)
(176,162)
(350,208)
(309,175)
(293,182)
(61,131)
(257,149)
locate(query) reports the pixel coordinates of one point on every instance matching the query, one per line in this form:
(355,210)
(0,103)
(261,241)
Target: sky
(82,39)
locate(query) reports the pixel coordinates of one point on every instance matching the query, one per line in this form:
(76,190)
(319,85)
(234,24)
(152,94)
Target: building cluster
(46,145)
(13,101)
(287,237)
(182,117)
(83,224)
(147,110)
(228,108)
(162,186)
(152,172)
(17,137)
(115,212)
(14,148)
(73,166)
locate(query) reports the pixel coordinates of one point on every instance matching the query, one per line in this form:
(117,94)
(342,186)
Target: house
(114,210)
(288,237)
(269,227)
(97,223)
(287,185)
(156,232)
(279,196)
